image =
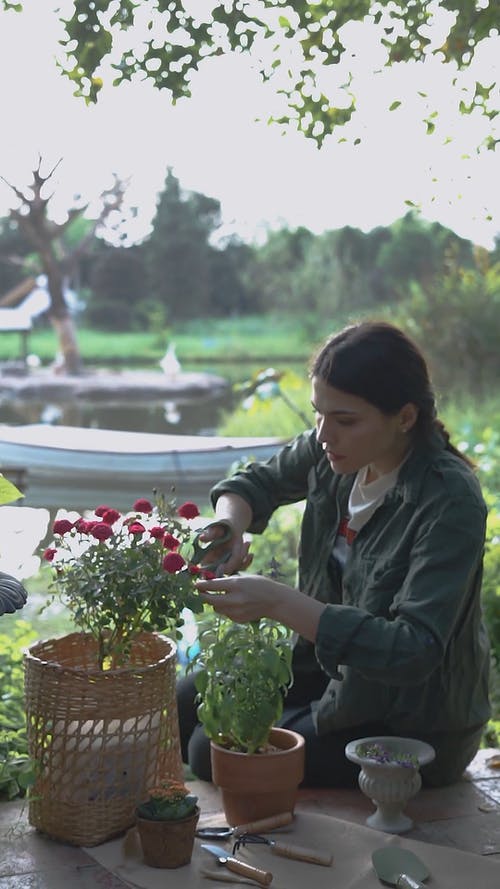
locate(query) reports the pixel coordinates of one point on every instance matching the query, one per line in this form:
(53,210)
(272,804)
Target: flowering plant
(380,753)
(168,801)
(120,575)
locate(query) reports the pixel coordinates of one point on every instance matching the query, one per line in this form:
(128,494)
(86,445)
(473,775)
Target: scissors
(263,824)
(201,548)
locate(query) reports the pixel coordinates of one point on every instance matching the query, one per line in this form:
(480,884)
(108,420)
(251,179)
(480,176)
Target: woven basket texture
(99,738)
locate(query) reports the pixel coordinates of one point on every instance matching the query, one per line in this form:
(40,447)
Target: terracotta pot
(258,785)
(167,843)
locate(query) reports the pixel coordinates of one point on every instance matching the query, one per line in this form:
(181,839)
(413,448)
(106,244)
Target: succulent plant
(168,801)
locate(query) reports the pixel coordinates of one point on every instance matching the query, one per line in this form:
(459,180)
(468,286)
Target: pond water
(187,415)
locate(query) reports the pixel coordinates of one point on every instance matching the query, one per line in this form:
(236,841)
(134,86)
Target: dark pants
(325,763)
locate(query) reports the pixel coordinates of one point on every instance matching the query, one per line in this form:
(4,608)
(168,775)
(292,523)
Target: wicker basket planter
(99,738)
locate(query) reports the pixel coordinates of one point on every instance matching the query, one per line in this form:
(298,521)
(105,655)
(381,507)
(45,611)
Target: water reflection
(196,416)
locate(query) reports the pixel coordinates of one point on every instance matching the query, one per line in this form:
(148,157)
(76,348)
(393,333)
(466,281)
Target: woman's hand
(249,597)
(233,553)
(243,598)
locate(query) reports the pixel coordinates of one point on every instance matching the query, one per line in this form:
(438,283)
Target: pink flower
(62,526)
(111,516)
(157,532)
(136,528)
(143,506)
(188,510)
(101,531)
(173,562)
(101,510)
(171,542)
(49,554)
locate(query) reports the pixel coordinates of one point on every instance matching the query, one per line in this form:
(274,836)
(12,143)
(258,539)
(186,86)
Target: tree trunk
(66,335)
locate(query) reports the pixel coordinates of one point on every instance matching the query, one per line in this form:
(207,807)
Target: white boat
(79,468)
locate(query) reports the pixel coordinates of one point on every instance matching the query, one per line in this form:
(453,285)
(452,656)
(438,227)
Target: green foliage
(16,769)
(179,255)
(456,318)
(116,295)
(8,492)
(491,583)
(244,673)
(413,250)
(113,575)
(281,538)
(491,736)
(290,49)
(280,409)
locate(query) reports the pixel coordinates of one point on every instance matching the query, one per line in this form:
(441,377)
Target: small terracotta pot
(167,843)
(259,785)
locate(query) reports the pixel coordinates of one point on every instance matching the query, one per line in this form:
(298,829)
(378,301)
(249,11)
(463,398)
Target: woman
(387,616)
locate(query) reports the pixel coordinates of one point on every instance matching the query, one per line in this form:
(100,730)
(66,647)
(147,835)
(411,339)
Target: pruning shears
(202,548)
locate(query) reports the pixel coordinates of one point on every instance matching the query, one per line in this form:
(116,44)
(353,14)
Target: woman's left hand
(244,598)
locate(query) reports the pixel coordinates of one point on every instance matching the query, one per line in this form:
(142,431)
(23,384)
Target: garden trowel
(399,867)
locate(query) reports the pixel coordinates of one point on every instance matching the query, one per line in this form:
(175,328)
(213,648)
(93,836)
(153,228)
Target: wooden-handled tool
(237,866)
(301,853)
(264,824)
(286,850)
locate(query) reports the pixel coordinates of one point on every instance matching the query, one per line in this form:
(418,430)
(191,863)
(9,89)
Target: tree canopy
(290,44)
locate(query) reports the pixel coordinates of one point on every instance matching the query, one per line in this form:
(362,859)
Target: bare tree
(57,261)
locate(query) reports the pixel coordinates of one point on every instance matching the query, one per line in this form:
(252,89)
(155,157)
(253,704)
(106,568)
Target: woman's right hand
(233,553)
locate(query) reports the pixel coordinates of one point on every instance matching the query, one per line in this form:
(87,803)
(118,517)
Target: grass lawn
(252,338)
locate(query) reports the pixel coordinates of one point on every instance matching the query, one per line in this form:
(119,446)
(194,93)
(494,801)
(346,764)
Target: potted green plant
(101,707)
(243,674)
(166,823)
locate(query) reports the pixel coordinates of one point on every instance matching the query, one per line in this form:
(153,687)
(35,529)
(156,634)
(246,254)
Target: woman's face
(355,433)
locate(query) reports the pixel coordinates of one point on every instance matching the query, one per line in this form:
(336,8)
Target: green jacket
(402,637)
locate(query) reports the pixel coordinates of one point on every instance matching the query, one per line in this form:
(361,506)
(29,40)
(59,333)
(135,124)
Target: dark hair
(378,362)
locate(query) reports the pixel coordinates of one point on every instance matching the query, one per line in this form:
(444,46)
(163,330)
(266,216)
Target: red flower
(188,510)
(101,531)
(171,542)
(157,532)
(194,569)
(136,528)
(208,575)
(173,562)
(111,516)
(49,554)
(82,526)
(62,526)
(101,510)
(143,506)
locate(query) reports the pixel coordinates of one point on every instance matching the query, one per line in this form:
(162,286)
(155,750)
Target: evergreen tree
(179,253)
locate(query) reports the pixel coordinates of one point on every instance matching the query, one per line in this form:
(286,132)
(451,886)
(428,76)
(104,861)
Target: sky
(219,143)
